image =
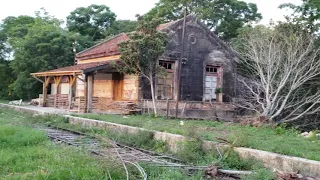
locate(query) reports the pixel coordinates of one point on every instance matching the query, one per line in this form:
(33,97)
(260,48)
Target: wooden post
(44,90)
(72,80)
(85,95)
(89,92)
(167,116)
(178,83)
(44,94)
(57,81)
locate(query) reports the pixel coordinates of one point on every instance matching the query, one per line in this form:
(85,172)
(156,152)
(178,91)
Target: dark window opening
(211,69)
(166,65)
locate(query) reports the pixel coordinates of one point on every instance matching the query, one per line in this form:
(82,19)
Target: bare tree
(283,69)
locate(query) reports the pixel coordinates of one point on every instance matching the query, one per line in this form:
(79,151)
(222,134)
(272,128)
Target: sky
(124,9)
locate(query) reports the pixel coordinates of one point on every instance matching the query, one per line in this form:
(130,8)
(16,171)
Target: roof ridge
(109,39)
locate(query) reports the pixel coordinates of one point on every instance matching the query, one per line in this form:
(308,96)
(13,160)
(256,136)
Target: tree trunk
(153,95)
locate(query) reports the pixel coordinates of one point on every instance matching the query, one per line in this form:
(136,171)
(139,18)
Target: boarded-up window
(165,83)
(64,88)
(53,89)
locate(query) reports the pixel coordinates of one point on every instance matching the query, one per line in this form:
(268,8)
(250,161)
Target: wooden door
(117,86)
(211,85)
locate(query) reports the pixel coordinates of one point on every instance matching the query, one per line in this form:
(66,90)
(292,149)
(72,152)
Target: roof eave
(56,73)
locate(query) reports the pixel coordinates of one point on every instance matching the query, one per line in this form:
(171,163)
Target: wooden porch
(89,88)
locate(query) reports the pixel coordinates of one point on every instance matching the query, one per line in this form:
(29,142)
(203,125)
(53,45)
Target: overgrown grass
(26,153)
(279,140)
(190,152)
(4,101)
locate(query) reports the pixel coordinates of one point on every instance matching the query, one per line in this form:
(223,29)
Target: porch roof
(77,69)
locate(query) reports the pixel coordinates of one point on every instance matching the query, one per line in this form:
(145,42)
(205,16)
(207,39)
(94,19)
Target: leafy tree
(225,17)
(11,29)
(307,14)
(45,46)
(6,78)
(139,55)
(91,21)
(121,26)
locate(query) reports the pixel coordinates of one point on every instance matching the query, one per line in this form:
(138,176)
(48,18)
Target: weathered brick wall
(201,48)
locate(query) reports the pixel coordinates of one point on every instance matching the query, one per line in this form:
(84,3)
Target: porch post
(44,90)
(89,92)
(57,81)
(72,80)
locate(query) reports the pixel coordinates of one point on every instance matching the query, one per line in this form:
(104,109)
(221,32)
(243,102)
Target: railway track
(108,148)
(130,155)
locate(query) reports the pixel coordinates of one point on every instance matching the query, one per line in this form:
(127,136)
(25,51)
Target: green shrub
(15,137)
(261,174)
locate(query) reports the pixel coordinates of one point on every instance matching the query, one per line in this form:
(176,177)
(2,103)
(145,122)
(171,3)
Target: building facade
(208,73)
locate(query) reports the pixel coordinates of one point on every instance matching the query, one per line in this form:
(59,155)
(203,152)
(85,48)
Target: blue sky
(125,9)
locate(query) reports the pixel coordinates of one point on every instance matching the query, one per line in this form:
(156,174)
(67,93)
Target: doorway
(211,85)
(211,82)
(117,86)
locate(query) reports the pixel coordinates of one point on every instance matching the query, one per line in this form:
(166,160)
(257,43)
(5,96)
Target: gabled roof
(77,69)
(211,35)
(108,47)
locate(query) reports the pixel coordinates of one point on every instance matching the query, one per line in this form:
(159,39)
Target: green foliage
(307,14)
(39,156)
(155,173)
(190,151)
(121,26)
(233,161)
(140,54)
(261,174)
(14,137)
(263,138)
(92,21)
(28,154)
(225,17)
(6,78)
(45,46)
(218,90)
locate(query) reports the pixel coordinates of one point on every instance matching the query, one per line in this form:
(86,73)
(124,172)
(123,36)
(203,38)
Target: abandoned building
(207,74)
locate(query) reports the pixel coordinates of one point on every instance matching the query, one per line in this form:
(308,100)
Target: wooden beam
(57,73)
(38,79)
(57,82)
(81,79)
(47,81)
(72,80)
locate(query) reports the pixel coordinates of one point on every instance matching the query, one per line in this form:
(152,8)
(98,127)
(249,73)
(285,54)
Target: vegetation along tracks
(107,148)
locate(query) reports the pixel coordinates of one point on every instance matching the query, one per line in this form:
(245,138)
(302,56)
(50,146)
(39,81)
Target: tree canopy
(121,26)
(91,21)
(225,17)
(306,15)
(35,44)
